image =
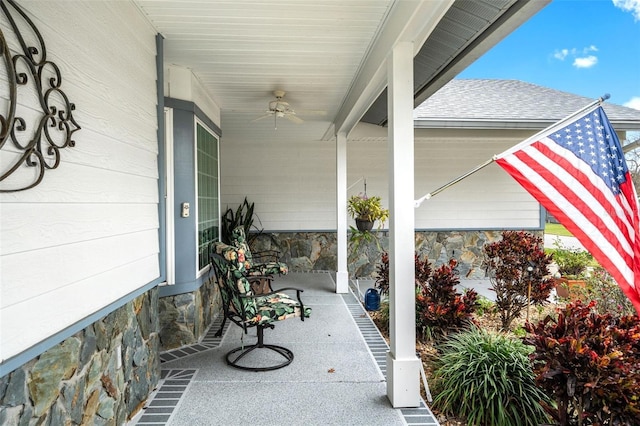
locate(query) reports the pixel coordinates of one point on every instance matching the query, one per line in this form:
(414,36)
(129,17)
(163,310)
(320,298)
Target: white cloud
(633,103)
(585,62)
(632,6)
(561,54)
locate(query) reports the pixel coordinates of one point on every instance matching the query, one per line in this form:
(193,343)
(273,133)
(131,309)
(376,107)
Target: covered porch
(337,376)
(170,97)
(335,65)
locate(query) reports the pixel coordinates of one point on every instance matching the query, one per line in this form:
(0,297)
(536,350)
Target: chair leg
(284,352)
(219,332)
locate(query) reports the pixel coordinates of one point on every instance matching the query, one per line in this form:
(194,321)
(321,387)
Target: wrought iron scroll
(31,136)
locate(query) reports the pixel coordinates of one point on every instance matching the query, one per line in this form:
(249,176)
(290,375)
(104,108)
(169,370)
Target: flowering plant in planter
(365,210)
(369,209)
(572,267)
(572,263)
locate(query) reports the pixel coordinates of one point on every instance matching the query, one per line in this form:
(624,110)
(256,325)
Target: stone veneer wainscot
(184,318)
(316,251)
(102,375)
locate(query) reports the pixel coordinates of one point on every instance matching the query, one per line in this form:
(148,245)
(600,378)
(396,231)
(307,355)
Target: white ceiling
(315,50)
(243,50)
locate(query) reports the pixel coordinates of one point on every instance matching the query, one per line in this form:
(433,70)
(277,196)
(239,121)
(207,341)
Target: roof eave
(619,125)
(426,84)
(513,18)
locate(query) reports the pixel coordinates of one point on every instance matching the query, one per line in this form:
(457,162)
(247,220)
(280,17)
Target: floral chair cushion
(230,267)
(272,267)
(275,307)
(237,295)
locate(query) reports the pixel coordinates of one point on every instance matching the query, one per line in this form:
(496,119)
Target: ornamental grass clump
(486,377)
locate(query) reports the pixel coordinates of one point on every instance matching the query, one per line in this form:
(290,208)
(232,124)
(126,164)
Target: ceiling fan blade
(294,118)
(267,115)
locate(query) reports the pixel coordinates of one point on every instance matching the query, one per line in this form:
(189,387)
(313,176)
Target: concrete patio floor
(336,378)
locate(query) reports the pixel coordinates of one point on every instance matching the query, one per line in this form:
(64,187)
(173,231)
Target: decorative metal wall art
(33,131)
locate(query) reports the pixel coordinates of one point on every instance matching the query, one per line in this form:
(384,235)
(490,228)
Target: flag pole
(453,182)
(547,130)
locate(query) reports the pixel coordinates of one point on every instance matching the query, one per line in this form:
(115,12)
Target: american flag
(577,171)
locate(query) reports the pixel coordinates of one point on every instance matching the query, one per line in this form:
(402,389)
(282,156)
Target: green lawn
(556,229)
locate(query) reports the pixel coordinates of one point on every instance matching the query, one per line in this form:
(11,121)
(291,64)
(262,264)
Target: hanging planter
(364,225)
(366,210)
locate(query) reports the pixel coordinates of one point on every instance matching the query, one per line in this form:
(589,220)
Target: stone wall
(309,251)
(301,251)
(102,375)
(184,318)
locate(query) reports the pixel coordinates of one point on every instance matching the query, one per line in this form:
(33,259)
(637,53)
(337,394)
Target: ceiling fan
(279,108)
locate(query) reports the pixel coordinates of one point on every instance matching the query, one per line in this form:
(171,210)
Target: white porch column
(403,367)
(342,274)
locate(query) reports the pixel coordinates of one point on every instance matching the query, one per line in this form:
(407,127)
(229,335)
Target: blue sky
(585,47)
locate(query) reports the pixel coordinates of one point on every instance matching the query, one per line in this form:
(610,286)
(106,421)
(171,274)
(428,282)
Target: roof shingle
(486,103)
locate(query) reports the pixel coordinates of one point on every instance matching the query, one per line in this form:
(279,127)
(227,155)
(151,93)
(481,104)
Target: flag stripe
(576,170)
(594,203)
(569,215)
(591,183)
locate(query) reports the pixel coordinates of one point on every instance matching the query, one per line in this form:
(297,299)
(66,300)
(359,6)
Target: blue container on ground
(372,300)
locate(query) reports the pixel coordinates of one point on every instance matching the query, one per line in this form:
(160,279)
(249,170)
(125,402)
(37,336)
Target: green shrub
(381,317)
(485,306)
(606,292)
(486,377)
(572,263)
(241,216)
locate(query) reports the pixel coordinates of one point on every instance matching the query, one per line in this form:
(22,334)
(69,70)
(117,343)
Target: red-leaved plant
(590,364)
(439,307)
(518,269)
(382,272)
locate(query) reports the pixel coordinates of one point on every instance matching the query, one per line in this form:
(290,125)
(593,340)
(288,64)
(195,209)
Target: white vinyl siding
(292,181)
(488,199)
(87,236)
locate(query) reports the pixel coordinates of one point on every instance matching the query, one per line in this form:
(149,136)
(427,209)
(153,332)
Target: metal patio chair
(247,309)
